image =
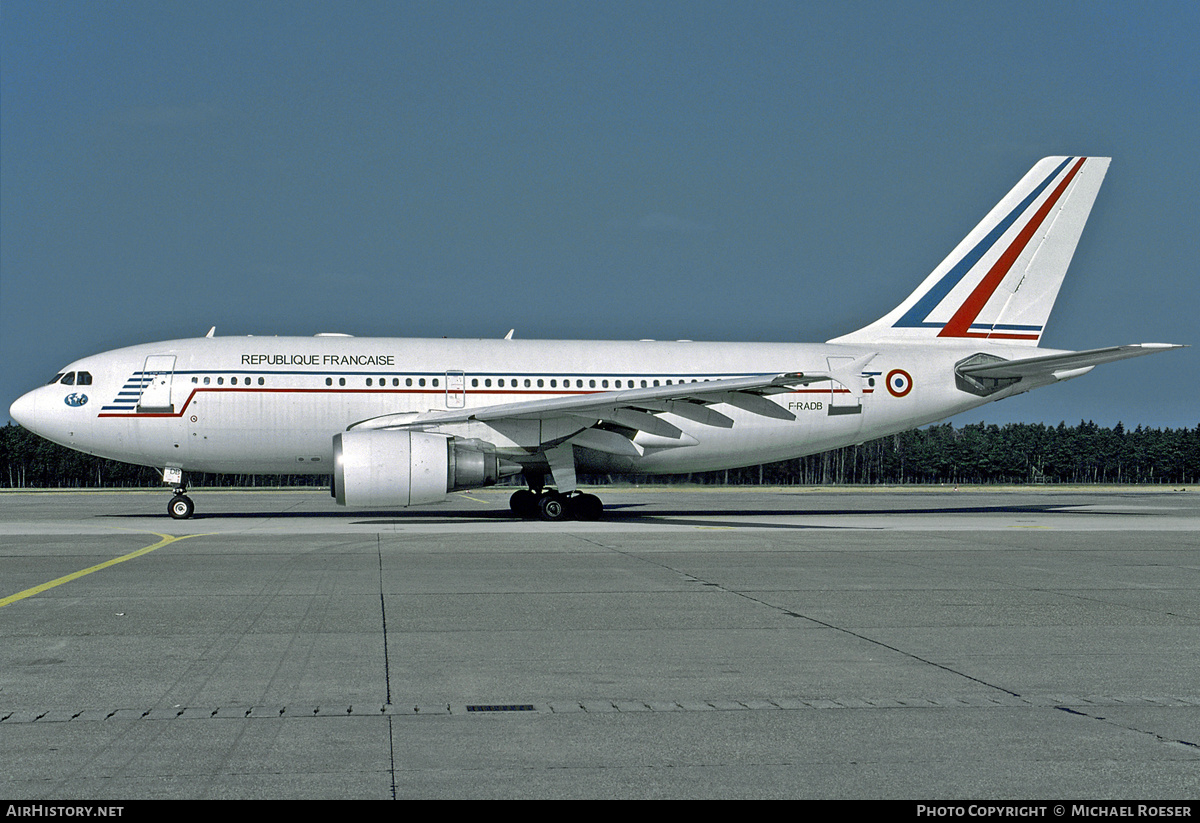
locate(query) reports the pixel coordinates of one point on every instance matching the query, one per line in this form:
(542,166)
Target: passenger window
(207,380)
(261,381)
(341,381)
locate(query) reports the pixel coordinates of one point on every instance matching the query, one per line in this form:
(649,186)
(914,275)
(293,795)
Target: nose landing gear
(181,506)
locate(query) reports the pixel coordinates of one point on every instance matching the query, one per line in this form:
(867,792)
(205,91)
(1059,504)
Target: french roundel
(899,382)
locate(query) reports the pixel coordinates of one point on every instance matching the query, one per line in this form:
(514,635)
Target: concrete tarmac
(917,643)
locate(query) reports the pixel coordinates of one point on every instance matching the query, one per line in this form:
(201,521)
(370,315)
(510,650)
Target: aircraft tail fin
(1000,282)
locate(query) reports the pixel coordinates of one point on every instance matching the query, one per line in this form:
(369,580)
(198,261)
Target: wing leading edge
(638,410)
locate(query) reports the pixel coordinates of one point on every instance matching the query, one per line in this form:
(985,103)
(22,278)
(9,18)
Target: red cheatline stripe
(960,324)
(438,392)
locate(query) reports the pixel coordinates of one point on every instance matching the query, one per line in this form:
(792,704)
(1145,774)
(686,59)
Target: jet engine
(404,468)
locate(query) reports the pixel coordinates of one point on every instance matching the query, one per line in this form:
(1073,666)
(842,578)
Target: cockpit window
(57,377)
(68,379)
(83,378)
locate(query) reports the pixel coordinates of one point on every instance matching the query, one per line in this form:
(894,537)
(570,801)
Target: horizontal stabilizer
(1055,364)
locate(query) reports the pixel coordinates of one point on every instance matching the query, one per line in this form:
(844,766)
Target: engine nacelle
(404,468)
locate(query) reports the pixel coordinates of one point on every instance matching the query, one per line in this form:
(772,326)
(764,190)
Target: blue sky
(702,170)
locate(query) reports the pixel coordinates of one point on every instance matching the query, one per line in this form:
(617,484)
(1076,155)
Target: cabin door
(156,385)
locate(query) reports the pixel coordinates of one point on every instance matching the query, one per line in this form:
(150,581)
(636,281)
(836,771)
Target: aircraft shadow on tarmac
(631,513)
(635,513)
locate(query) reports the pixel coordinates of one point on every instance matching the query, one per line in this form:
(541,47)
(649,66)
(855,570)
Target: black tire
(181,507)
(553,507)
(587,507)
(524,503)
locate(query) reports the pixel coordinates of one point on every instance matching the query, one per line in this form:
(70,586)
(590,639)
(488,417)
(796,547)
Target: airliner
(403,422)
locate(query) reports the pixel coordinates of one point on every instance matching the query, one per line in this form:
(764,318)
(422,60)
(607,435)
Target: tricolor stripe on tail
(1001,281)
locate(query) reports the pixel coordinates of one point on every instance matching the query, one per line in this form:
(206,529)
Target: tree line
(1015,453)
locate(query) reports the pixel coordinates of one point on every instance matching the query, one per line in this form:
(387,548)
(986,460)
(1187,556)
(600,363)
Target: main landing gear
(554,506)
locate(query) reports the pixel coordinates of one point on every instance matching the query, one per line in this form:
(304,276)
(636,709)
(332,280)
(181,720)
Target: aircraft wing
(633,409)
(1062,365)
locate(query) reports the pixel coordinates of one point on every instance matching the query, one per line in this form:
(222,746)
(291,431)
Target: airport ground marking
(165,541)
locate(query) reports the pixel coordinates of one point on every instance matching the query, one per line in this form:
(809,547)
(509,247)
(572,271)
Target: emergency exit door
(456,390)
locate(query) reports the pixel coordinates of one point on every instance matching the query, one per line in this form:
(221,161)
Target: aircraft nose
(24,410)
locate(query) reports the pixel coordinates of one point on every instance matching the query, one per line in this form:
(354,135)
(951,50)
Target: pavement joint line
(1071,704)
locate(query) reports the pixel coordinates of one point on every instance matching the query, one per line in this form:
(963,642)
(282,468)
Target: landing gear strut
(554,506)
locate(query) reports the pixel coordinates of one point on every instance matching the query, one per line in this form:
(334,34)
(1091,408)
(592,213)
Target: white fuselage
(273,404)
(396,421)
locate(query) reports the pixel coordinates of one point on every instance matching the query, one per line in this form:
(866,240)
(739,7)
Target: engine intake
(405,468)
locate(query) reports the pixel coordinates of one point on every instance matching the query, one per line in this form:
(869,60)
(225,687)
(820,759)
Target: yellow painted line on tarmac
(166,541)
(475,499)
